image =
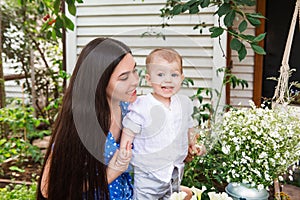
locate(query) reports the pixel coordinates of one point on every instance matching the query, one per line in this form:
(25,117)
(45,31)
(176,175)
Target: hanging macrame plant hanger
(282,88)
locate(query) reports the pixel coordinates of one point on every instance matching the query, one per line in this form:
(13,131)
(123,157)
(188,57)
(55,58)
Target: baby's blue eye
(175,75)
(160,74)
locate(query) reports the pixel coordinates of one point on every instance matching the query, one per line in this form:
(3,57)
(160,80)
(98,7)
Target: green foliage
(25,19)
(19,121)
(55,19)
(205,171)
(228,10)
(208,170)
(206,111)
(18,192)
(17,147)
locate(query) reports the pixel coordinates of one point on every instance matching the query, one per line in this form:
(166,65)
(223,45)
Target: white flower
(260,187)
(257,144)
(225,149)
(197,192)
(218,196)
(280,178)
(178,196)
(263,155)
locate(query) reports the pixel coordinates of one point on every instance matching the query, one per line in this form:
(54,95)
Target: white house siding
(244,70)
(12,89)
(127,20)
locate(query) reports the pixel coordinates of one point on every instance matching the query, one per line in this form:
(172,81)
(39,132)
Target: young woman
(83,160)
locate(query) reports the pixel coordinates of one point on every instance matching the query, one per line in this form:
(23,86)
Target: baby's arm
(119,163)
(126,138)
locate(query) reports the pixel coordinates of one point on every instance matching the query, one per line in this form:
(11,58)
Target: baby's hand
(199,150)
(195,150)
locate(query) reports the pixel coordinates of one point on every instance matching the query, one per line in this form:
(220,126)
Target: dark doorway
(279,15)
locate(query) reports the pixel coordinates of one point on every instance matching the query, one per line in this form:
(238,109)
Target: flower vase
(240,191)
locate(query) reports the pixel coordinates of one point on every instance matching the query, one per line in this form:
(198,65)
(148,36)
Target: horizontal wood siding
(128,21)
(12,89)
(243,70)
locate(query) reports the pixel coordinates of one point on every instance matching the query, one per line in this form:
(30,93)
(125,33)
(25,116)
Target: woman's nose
(135,79)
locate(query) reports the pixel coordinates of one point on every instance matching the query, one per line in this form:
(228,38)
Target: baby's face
(164,77)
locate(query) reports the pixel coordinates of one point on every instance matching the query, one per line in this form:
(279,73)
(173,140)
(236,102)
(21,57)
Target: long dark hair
(72,166)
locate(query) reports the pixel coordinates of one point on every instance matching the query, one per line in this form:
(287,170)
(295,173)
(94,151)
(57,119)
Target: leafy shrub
(18,120)
(18,192)
(18,147)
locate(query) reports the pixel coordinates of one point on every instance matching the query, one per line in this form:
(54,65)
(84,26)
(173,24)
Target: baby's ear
(148,79)
(182,77)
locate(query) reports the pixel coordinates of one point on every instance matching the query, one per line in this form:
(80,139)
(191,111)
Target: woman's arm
(45,175)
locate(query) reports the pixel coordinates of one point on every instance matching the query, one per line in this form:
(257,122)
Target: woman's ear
(148,79)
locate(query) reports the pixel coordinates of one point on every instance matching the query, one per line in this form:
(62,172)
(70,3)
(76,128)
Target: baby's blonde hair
(167,54)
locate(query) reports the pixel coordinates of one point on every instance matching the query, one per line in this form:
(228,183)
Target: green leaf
(185,7)
(242,52)
(235,44)
(68,23)
(2,141)
(176,10)
(224,9)
(20,2)
(58,33)
(256,15)
(41,8)
(258,49)
(259,38)
(205,3)
(56,6)
(243,26)
(254,21)
(191,2)
(216,31)
(72,9)
(194,9)
(53,34)
(59,23)
(228,20)
(15,168)
(248,37)
(48,35)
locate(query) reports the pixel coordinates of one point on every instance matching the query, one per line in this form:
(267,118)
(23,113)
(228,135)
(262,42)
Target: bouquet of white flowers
(259,144)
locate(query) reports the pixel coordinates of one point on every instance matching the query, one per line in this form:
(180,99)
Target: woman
(87,130)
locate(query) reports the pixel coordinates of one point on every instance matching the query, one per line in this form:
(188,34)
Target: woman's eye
(123,77)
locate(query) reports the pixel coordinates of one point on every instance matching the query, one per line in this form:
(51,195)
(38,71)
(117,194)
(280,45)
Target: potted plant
(257,144)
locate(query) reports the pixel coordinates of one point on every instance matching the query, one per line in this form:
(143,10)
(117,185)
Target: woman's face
(123,81)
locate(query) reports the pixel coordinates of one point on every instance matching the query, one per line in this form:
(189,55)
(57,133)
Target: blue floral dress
(121,188)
